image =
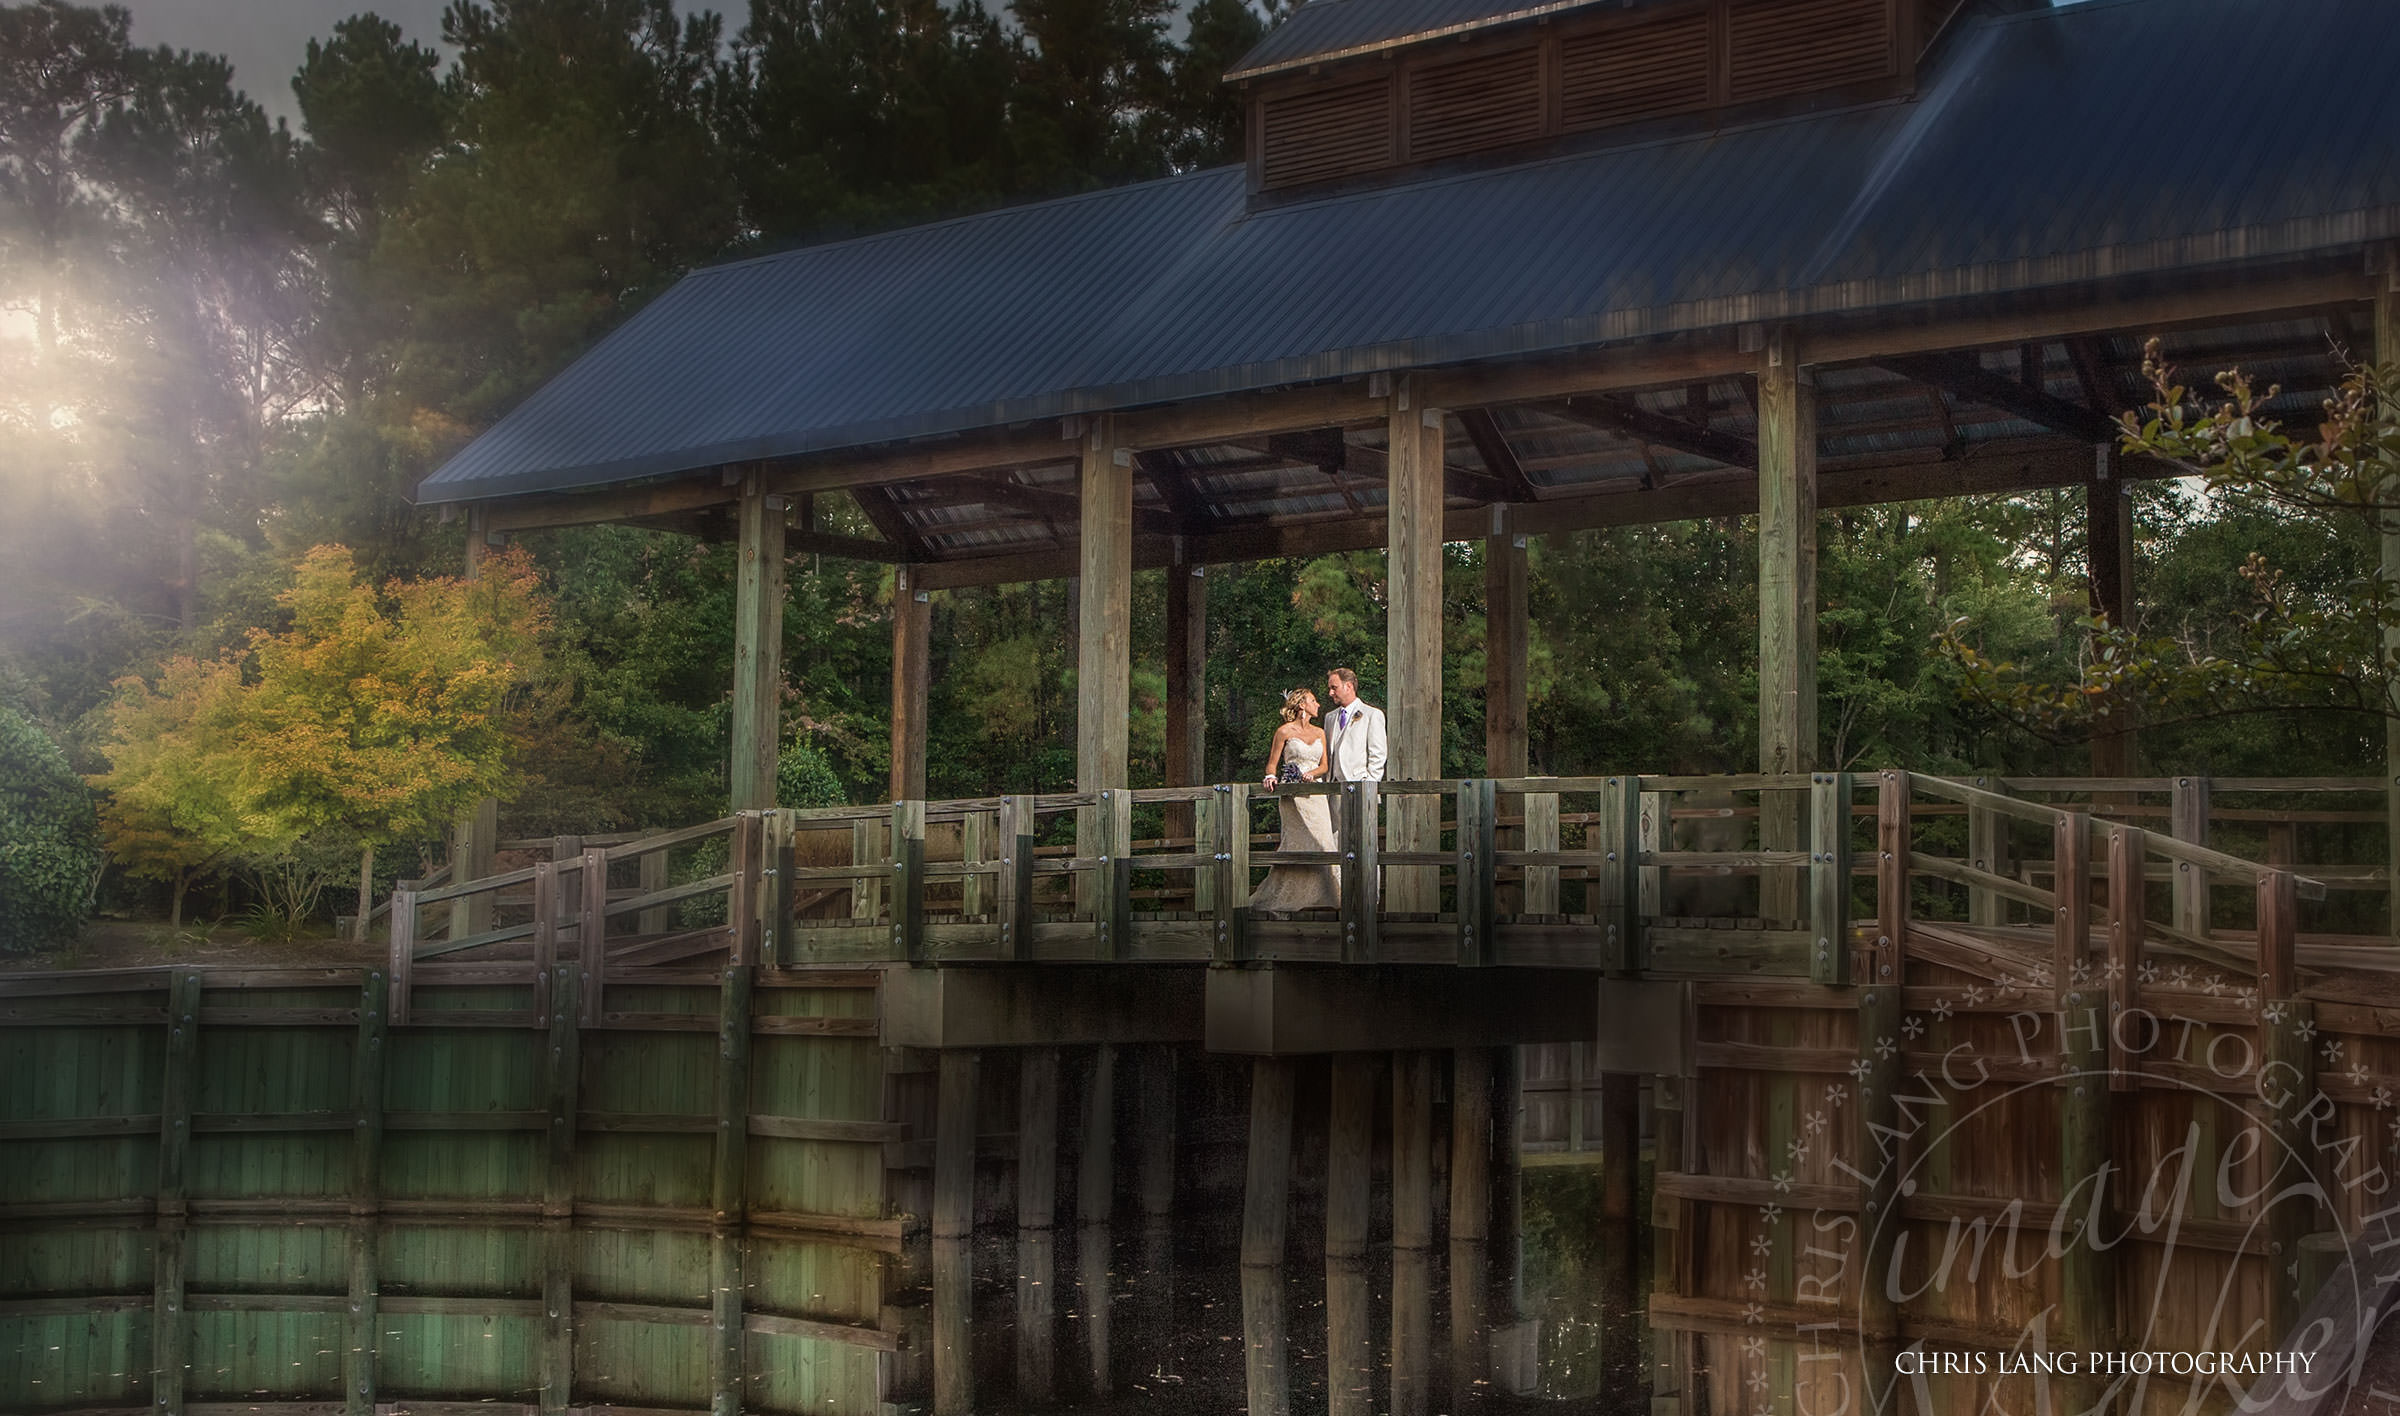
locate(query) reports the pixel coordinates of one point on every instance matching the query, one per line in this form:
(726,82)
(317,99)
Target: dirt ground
(135,944)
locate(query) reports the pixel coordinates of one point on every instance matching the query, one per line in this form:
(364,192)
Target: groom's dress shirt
(1354,740)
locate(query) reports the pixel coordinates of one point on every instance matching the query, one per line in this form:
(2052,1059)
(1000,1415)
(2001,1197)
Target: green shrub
(804,778)
(49,841)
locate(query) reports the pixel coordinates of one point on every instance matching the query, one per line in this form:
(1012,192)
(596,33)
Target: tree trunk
(366,891)
(183,877)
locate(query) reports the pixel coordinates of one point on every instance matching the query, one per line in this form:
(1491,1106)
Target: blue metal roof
(1333,29)
(2114,138)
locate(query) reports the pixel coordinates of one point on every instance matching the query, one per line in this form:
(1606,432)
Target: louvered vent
(1313,137)
(1474,104)
(1789,46)
(1626,73)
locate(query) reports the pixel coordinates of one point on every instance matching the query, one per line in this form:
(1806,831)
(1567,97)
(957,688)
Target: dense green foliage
(49,841)
(224,342)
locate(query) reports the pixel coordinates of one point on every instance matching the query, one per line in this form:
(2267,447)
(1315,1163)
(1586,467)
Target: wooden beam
(1965,376)
(2014,467)
(1349,1212)
(757,648)
(1624,416)
(889,521)
(1498,457)
(919,462)
(858,548)
(1059,506)
(1191,512)
(912,675)
(1037,1211)
(1457,481)
(708,489)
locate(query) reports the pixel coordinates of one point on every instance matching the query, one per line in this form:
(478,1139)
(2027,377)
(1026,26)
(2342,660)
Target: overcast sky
(266,39)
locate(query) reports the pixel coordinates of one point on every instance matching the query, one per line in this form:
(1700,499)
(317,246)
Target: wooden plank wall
(293,1203)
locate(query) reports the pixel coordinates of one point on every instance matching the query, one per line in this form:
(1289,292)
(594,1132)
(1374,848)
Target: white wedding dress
(1307,826)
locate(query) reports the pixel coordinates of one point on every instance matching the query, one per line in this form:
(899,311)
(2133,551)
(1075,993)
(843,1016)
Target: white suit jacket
(1357,747)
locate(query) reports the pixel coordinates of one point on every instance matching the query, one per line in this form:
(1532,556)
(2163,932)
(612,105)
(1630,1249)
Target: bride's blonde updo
(1291,704)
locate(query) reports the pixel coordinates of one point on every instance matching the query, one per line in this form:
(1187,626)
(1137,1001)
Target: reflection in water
(1095,1264)
(1037,1316)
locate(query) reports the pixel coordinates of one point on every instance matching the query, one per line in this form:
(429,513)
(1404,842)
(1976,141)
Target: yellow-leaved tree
(379,714)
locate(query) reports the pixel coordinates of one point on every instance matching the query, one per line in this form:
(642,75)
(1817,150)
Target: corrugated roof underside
(2037,156)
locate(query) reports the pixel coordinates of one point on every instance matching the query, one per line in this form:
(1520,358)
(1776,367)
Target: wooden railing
(1672,876)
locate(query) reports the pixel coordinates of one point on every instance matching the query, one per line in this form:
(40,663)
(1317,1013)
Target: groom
(1354,738)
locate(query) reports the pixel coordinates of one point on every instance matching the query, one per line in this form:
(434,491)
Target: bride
(1298,755)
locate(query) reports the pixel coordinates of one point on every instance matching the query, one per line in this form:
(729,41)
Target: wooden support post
(1787,604)
(1113,904)
(1987,850)
(908,881)
(654,879)
(1477,873)
(1829,878)
(1620,1245)
(1104,645)
(591,936)
(746,902)
(563,1067)
(953,1233)
(1506,746)
(1671,1239)
(1349,1180)
(1656,833)
(1619,830)
(1876,1116)
(728,1187)
(559,1076)
(2128,919)
(2387,351)
(545,937)
(1470,1225)
(1037,1210)
(170,1324)
(2108,556)
(402,956)
(1233,891)
(1187,689)
(474,837)
(1362,882)
(873,882)
(912,676)
(368,1059)
(2087,1282)
(558,1317)
(474,843)
(1413,631)
(1540,833)
(1265,1211)
(2287,1030)
(757,646)
(729,1164)
(1507,640)
(2187,820)
(726,1367)
(976,830)
(1016,877)
(2071,936)
(1412,1233)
